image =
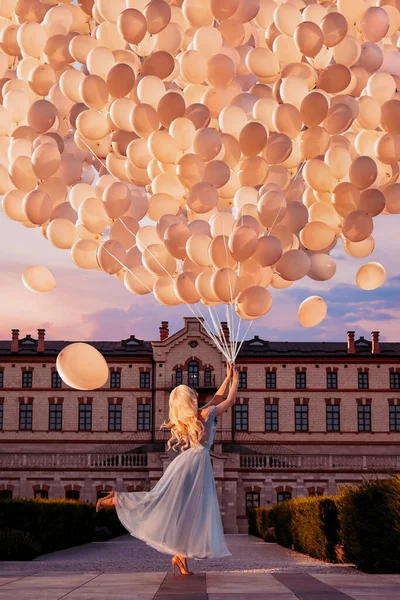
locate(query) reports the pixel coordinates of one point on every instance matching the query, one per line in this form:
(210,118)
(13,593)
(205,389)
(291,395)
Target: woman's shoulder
(205,413)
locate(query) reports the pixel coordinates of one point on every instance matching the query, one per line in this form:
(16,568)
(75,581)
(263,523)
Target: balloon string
(229,308)
(224,351)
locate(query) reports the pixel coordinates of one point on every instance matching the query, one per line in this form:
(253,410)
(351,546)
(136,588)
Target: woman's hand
(235,374)
(229,370)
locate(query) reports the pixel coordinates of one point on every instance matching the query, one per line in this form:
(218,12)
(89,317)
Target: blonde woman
(180,515)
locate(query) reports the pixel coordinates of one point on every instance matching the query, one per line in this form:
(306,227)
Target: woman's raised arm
(219,396)
(226,404)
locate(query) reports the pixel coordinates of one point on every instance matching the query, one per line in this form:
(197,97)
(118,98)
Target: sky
(90,305)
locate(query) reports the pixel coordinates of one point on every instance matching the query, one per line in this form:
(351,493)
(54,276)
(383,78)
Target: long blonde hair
(185,426)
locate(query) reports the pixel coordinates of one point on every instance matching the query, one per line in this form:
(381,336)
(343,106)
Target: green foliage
(16,544)
(53,525)
(370,524)
(360,525)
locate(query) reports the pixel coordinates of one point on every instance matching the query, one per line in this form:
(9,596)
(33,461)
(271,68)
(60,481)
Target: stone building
(309,418)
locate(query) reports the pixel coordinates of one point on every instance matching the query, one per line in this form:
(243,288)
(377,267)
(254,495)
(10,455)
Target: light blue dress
(180,515)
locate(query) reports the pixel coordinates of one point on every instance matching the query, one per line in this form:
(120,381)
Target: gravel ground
(127,554)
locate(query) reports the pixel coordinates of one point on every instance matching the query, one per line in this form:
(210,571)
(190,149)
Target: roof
(253,348)
(129,347)
(258,347)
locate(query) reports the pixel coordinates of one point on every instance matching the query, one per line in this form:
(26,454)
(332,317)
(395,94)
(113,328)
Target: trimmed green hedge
(361,525)
(29,528)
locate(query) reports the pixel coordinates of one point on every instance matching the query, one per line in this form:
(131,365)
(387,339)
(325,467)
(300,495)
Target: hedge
(360,525)
(29,528)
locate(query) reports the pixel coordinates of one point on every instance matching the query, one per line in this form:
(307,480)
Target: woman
(180,515)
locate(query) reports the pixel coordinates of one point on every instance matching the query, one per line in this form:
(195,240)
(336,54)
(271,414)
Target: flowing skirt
(180,515)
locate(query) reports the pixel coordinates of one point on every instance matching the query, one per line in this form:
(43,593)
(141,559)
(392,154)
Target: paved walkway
(127,569)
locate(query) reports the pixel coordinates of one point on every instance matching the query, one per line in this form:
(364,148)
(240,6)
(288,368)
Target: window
(44,494)
(27,378)
(1,379)
(143,417)
(242,379)
(55,380)
(394,381)
(315,493)
(283,496)
(271,417)
(332,417)
(72,495)
(25,416)
(193,373)
(241,417)
(270,380)
(331,380)
(85,417)
(145,379)
(394,417)
(193,344)
(1,415)
(6,494)
(207,377)
(114,417)
(178,376)
(301,380)
(115,379)
(55,417)
(301,417)
(252,499)
(364,417)
(363,383)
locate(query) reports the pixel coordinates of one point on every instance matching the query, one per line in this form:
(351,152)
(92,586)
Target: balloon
(357,226)
(253,302)
(185,288)
(268,250)
(84,254)
(117,199)
(293,265)
(370,276)
(242,242)
(312,311)
(202,197)
(61,233)
(359,249)
(110,255)
(37,207)
(322,267)
(164,291)
(225,284)
(38,279)
(72,366)
(317,236)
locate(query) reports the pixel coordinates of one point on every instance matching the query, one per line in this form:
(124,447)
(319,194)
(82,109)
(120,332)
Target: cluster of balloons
(202,150)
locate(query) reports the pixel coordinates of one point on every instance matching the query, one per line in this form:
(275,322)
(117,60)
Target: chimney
(351,347)
(14,340)
(375,342)
(40,345)
(164,331)
(225,330)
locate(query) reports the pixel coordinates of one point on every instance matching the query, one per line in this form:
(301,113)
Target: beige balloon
(322,268)
(317,236)
(268,250)
(203,286)
(220,254)
(72,366)
(62,233)
(110,255)
(371,276)
(197,247)
(38,279)
(164,291)
(84,254)
(225,284)
(117,199)
(158,261)
(272,208)
(242,243)
(202,197)
(185,288)
(37,207)
(312,311)
(293,265)
(139,280)
(175,239)
(357,226)
(92,215)
(254,302)
(359,249)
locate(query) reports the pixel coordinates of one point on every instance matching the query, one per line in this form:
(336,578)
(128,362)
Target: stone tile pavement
(256,571)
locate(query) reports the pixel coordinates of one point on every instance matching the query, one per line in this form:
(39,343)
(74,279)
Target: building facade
(309,417)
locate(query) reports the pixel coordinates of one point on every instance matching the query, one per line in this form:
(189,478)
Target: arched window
(283,496)
(193,373)
(207,377)
(178,376)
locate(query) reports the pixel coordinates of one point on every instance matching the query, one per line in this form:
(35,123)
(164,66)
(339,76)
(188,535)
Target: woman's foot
(106,501)
(180,562)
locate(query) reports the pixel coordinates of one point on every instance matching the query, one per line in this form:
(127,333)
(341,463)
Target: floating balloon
(38,279)
(370,276)
(72,366)
(312,311)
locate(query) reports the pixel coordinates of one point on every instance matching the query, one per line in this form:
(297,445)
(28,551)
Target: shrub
(16,544)
(54,525)
(370,525)
(360,525)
